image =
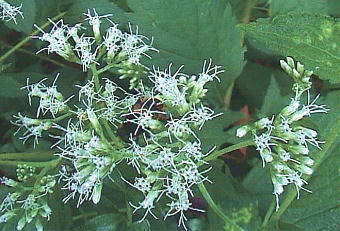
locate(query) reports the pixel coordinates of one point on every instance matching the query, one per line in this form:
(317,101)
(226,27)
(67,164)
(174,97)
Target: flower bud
(298,149)
(308,132)
(21,223)
(266,155)
(296,74)
(303,168)
(263,123)
(299,67)
(285,66)
(242,131)
(290,62)
(291,108)
(94,121)
(38,225)
(97,191)
(305,160)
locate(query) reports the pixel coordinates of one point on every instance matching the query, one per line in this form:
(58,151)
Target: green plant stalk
(269,213)
(95,75)
(231,148)
(40,164)
(28,38)
(105,124)
(291,193)
(216,209)
(26,155)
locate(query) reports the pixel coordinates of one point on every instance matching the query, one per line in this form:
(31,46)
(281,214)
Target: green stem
(51,163)
(28,38)
(269,213)
(84,216)
(216,209)
(26,155)
(332,136)
(115,139)
(95,76)
(231,148)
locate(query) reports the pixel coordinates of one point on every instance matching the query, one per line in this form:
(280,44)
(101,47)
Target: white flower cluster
(151,128)
(169,153)
(181,91)
(282,141)
(116,47)
(9,12)
(50,101)
(27,201)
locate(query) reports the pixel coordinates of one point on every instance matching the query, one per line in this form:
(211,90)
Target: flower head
(9,12)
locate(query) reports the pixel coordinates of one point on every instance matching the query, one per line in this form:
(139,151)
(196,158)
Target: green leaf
(188,32)
(29,12)
(139,226)
(285,6)
(311,39)
(61,217)
(105,222)
(333,8)
(46,9)
(212,133)
(273,101)
(75,14)
(10,87)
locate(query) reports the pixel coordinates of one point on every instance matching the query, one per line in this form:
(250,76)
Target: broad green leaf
(273,101)
(9,86)
(311,39)
(105,222)
(188,32)
(334,8)
(61,217)
(285,6)
(213,132)
(24,24)
(139,226)
(47,9)
(235,203)
(75,14)
(312,210)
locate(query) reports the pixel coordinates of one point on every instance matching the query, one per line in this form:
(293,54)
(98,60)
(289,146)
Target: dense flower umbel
(28,197)
(282,141)
(152,130)
(9,12)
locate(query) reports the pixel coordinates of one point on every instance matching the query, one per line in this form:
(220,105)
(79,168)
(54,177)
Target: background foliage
(247,38)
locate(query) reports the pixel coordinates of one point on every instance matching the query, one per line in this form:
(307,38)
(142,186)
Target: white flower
(57,38)
(202,114)
(34,127)
(51,100)
(9,201)
(83,48)
(9,12)
(148,204)
(95,21)
(179,128)
(181,205)
(209,73)
(112,40)
(168,85)
(87,92)
(134,46)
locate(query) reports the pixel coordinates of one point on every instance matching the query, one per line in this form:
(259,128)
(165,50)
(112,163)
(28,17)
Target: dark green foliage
(313,39)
